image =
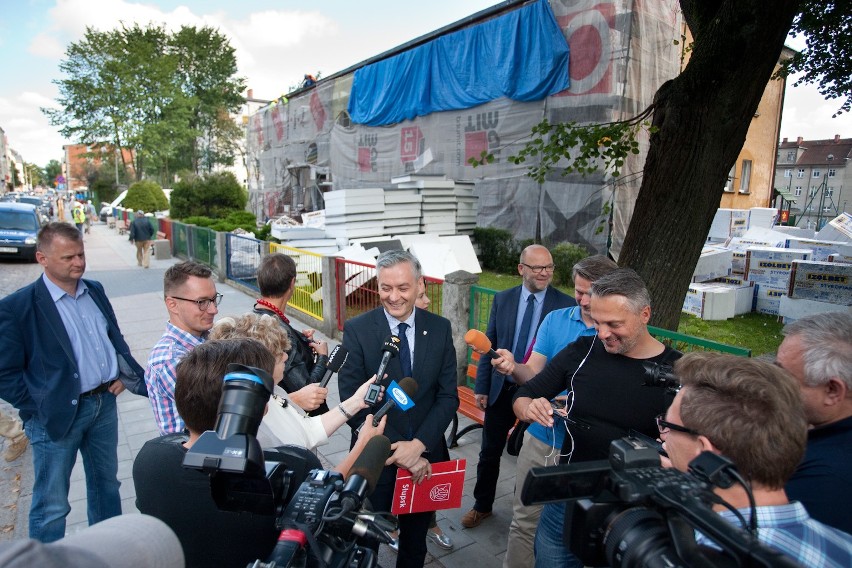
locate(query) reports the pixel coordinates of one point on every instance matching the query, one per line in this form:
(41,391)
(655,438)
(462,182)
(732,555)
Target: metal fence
(195,243)
(307,297)
(242,257)
(358,292)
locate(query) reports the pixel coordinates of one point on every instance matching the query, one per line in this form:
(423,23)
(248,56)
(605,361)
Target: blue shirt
(559,328)
(538,306)
(87,328)
(393,324)
(789,530)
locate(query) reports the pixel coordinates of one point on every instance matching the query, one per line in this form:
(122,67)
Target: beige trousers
(143,253)
(10,427)
(519,549)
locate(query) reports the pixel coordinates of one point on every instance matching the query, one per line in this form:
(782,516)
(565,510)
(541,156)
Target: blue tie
(404,350)
(524,334)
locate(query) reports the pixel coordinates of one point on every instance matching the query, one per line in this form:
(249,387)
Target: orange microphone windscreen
(477,340)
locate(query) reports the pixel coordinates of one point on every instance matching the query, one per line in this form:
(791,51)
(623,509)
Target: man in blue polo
(541,445)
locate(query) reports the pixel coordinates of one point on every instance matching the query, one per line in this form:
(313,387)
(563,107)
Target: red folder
(441,491)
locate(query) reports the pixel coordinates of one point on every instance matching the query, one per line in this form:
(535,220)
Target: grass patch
(759,332)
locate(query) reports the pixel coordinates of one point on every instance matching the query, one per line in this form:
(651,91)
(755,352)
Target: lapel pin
(425,332)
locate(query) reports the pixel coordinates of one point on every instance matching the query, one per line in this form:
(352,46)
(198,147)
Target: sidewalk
(136,295)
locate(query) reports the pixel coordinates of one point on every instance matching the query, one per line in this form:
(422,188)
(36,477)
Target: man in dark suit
(63,355)
(427,355)
(515,316)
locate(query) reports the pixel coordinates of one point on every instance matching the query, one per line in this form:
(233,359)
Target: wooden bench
(122,226)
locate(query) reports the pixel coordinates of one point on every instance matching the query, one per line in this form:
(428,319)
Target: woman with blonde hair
(284,422)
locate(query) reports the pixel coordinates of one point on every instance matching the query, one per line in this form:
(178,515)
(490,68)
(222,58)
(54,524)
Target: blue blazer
(38,372)
(501,332)
(437,398)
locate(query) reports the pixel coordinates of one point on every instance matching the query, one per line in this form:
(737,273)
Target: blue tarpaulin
(521,55)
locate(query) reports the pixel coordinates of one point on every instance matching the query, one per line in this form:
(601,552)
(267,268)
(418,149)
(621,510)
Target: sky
(276,43)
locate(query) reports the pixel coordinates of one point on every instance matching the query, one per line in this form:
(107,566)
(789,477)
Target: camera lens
(637,538)
(244,396)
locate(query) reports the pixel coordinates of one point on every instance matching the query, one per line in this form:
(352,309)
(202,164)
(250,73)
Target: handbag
(516,438)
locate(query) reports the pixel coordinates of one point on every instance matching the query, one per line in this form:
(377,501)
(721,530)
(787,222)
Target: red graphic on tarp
(410,143)
(258,129)
(317,110)
(279,124)
(590,57)
(475,143)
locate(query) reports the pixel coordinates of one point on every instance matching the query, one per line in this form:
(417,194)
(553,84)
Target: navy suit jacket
(38,372)
(501,332)
(434,366)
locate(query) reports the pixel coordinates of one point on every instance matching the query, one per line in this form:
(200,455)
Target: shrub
(498,249)
(565,256)
(142,195)
(212,195)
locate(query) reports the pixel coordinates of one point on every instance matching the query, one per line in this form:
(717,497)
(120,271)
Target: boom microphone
(364,473)
(479,342)
(369,465)
(390,349)
(335,361)
(409,388)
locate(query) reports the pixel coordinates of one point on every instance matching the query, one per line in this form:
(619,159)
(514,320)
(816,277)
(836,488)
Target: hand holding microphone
(335,361)
(398,396)
(390,349)
(480,343)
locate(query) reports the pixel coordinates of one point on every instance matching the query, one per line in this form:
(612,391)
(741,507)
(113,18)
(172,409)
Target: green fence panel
(180,239)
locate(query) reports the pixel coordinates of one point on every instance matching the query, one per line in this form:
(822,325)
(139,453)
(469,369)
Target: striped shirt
(160,376)
(790,530)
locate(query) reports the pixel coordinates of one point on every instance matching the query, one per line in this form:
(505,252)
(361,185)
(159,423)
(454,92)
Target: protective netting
(620,53)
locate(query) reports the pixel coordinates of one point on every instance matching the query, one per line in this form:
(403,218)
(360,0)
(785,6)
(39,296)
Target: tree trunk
(703,116)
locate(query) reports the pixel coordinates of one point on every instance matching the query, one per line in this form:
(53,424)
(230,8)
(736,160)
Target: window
(800,173)
(832,172)
(791,156)
(813,191)
(729,184)
(829,191)
(745,176)
(798,192)
(788,173)
(816,174)
(826,208)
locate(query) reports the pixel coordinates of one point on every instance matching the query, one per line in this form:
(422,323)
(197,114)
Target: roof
(15,206)
(822,152)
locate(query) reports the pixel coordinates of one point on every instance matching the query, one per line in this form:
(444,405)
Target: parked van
(19,225)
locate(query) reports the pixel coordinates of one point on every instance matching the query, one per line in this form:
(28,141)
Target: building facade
(814,176)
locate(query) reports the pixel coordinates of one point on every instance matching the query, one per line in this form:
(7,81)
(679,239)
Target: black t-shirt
(181,498)
(609,396)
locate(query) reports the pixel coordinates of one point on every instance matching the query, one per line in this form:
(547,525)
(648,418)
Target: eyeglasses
(663,426)
(539,269)
(204,303)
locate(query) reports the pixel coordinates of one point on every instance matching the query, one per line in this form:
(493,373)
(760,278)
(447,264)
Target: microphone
(480,342)
(335,361)
(408,386)
(390,349)
(364,473)
(369,465)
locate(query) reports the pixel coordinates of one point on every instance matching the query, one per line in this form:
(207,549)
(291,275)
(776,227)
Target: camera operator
(751,412)
(817,351)
(604,377)
(181,497)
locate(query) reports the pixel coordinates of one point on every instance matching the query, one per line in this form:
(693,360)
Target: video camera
(315,510)
(629,512)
